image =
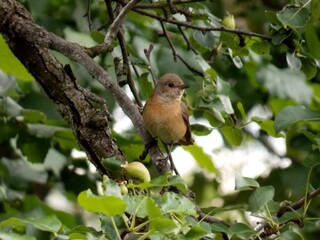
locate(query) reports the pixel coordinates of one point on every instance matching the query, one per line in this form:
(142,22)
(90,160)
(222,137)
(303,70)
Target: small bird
(165,115)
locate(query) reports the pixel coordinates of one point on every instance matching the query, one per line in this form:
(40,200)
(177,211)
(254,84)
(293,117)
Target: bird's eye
(170,84)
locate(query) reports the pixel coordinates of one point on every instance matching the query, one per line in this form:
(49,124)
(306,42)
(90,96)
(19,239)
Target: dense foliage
(260,68)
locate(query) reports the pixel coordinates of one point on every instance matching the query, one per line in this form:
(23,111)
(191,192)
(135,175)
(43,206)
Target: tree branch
(126,62)
(298,204)
(164,4)
(115,26)
(196,27)
(17,26)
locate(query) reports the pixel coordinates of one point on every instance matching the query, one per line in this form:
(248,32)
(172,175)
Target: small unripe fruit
(124,189)
(138,170)
(228,22)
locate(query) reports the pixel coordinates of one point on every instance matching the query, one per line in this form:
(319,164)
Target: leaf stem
(115,228)
(306,200)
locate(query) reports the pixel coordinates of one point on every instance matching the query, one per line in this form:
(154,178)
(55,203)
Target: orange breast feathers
(164,120)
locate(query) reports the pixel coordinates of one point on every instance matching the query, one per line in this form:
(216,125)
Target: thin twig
(112,31)
(88,14)
(210,219)
(109,9)
(189,45)
(115,26)
(197,27)
(135,70)
(163,4)
(147,52)
(126,65)
(191,68)
(172,8)
(298,204)
(126,62)
(166,34)
(176,54)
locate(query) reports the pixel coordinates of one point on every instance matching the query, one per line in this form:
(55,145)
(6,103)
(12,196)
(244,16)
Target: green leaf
(241,230)
(272,18)
(214,117)
(10,64)
(260,197)
(219,228)
(314,138)
(237,61)
(177,204)
(14,236)
(226,103)
(242,111)
(266,125)
(9,129)
(33,116)
(290,235)
(77,236)
(146,85)
(280,82)
(153,211)
(65,139)
(107,224)
(312,159)
(232,134)
(309,67)
(200,129)
(25,171)
(293,61)
(223,87)
(196,232)
(312,40)
(33,147)
(280,36)
(111,188)
(261,48)
(97,36)
(162,181)
(55,161)
(10,107)
(245,183)
(136,205)
(203,159)
(206,40)
(164,225)
(108,205)
(48,224)
(294,16)
(111,163)
(42,130)
(8,85)
(294,114)
(177,181)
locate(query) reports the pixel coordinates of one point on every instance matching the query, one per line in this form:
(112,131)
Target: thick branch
(17,26)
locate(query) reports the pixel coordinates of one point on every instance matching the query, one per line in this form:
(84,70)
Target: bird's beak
(184,86)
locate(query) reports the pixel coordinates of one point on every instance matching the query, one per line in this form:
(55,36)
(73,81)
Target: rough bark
(30,44)
(72,101)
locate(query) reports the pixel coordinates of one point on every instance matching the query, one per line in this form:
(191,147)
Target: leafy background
(270,86)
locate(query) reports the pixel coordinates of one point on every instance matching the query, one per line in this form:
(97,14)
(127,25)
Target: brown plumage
(165,115)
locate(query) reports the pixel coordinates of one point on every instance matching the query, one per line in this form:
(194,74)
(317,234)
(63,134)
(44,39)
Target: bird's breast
(164,120)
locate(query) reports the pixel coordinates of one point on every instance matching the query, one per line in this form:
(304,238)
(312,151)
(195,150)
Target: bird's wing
(187,140)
